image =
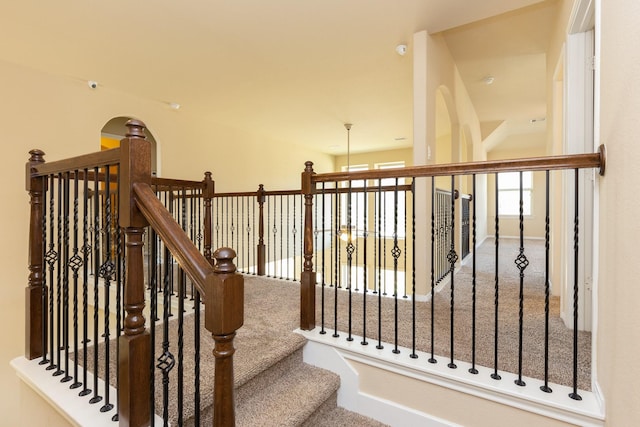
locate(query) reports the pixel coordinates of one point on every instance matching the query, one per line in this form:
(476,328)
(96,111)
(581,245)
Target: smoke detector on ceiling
(488,80)
(401,49)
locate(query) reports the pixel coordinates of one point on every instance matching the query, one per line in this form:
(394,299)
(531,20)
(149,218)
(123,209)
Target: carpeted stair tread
(290,399)
(330,415)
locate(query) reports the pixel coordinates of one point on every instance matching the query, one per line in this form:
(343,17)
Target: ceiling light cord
(348,127)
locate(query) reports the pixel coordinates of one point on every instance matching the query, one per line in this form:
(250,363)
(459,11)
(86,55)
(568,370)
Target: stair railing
(340,193)
(131,206)
(265,227)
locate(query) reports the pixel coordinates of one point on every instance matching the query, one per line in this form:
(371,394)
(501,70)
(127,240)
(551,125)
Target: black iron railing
(331,201)
(86,302)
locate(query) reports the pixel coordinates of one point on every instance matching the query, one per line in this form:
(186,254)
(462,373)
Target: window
(357,202)
(389,203)
(387,198)
(509,193)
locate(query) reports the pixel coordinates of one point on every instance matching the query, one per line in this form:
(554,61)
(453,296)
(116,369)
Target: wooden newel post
(207,195)
(224,315)
(35,290)
(308,278)
(134,360)
(262,260)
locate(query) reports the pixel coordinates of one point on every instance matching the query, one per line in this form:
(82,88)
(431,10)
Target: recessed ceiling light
(488,80)
(174,105)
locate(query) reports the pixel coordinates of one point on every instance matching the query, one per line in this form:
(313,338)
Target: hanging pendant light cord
(348,127)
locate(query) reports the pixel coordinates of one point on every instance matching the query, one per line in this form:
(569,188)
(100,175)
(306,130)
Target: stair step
(290,400)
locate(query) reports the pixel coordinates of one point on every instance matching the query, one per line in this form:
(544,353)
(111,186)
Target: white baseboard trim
(332,354)
(350,397)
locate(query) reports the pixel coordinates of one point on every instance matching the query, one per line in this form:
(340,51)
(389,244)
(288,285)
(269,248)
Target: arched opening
(114,130)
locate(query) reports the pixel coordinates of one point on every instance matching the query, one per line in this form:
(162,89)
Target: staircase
(274,387)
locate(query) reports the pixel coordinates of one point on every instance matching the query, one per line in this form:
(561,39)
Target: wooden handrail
(265,193)
(165,184)
(570,161)
(86,161)
(189,257)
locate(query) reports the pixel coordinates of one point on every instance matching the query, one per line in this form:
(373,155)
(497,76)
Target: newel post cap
(224,298)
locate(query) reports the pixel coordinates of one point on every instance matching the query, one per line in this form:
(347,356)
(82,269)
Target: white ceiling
(290,70)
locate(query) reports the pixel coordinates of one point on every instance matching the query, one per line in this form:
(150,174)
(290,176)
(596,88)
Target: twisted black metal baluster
(576,229)
(287,276)
(521,262)
(59,234)
(275,239)
(301,197)
(65,276)
(75,263)
(107,272)
(384,243)
(365,289)
(316,249)
(350,249)
(169,265)
(339,272)
(331,239)
(249,244)
(452,257)
(324,283)
(45,290)
(120,283)
(432,359)
(181,310)
(192,229)
(217,216)
(96,268)
(547,288)
(495,374)
(413,354)
(253,239)
(184,224)
(380,237)
(51,258)
(282,232)
(405,244)
(238,225)
(352,233)
(337,262)
(473,369)
(196,368)
(153,269)
(294,231)
(166,361)
(86,249)
(240,245)
(395,252)
(268,228)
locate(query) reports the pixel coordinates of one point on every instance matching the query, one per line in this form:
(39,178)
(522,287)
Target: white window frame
(509,194)
(387,227)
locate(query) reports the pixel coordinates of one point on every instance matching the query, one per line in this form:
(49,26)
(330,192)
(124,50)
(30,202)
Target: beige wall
(63,117)
(618,292)
(446,404)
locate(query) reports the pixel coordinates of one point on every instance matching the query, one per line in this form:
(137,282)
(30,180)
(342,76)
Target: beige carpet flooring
(560,337)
